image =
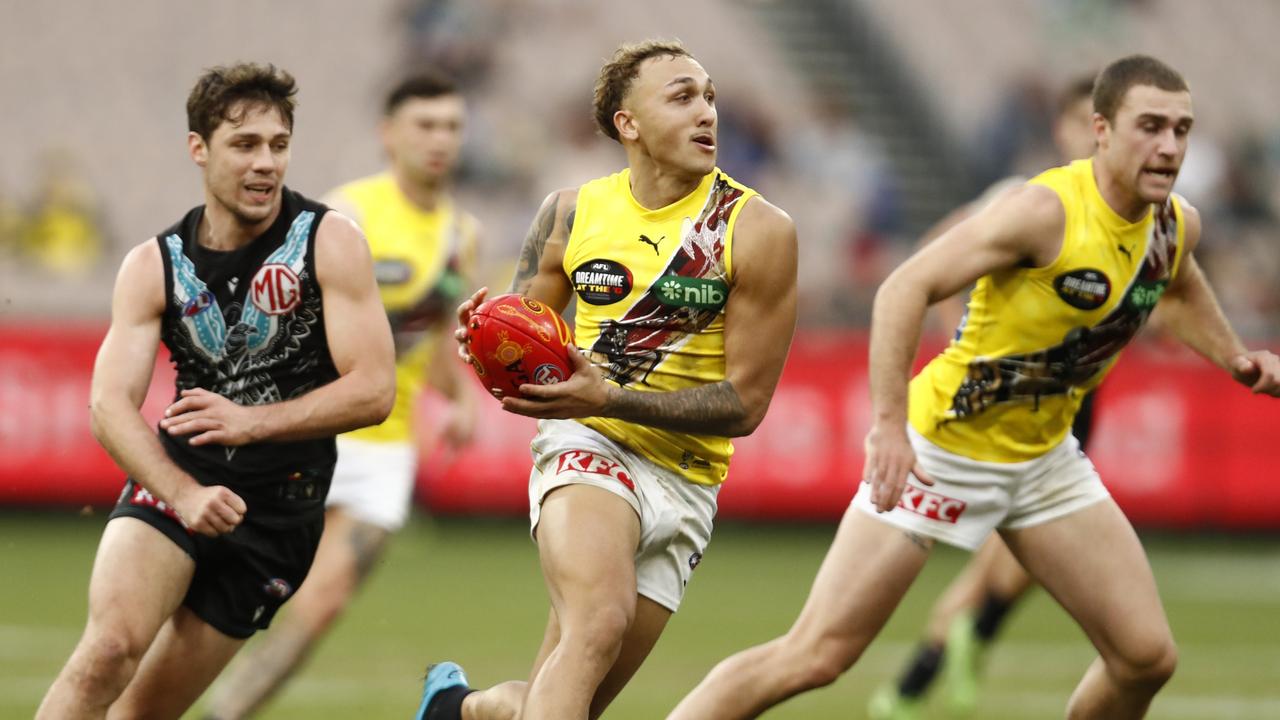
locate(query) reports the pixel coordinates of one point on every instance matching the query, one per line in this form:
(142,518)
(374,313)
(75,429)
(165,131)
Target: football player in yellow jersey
(423,249)
(685,283)
(965,618)
(1081,254)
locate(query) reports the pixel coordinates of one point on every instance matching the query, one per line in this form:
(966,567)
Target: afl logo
(277,588)
(275,289)
(198,304)
(548,374)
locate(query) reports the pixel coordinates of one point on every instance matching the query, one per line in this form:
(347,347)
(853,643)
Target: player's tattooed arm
(714,409)
(538,272)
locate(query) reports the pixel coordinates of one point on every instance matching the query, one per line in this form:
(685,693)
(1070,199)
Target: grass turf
(470,591)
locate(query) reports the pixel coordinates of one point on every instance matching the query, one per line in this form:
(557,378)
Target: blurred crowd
(57,228)
(530,132)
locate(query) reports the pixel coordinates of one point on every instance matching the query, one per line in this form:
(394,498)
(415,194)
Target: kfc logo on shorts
(931,504)
(275,289)
(581,461)
(694,560)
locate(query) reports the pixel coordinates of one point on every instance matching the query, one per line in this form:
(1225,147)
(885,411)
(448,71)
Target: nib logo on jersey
(699,293)
(602,282)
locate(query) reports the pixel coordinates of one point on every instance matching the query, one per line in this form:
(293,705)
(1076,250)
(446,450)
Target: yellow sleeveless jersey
(420,260)
(1034,341)
(652,287)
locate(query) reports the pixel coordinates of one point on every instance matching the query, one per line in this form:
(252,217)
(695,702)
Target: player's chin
(1153,188)
(253,213)
(698,162)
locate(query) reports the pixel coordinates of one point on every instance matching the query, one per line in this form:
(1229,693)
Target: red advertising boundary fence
(1178,443)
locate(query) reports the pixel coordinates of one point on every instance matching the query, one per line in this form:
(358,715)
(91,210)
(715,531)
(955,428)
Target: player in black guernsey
(267,303)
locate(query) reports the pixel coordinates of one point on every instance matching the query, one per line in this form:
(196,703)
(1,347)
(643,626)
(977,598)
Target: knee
(1148,666)
(819,663)
(107,662)
(599,632)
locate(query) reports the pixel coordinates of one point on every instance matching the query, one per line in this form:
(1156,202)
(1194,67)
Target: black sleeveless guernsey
(248,324)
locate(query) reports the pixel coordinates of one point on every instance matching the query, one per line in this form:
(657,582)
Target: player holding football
(686,289)
(267,303)
(1068,267)
(964,620)
(423,249)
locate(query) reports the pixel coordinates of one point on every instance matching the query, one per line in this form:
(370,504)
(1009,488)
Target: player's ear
(1100,128)
(625,123)
(198,148)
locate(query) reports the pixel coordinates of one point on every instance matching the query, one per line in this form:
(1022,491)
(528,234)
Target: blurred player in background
(423,253)
(1068,267)
(267,303)
(686,303)
(965,619)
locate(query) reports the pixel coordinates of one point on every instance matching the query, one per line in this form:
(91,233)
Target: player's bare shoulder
(341,249)
(140,282)
(764,236)
(1027,221)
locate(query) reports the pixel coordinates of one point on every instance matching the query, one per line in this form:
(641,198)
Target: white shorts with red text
(675,514)
(970,498)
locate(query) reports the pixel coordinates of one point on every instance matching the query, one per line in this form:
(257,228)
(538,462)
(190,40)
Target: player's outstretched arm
(1191,312)
(1022,227)
(121,376)
(760,319)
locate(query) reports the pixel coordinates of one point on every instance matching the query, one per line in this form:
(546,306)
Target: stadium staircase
(835,44)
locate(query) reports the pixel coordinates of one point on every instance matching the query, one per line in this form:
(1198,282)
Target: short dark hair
(622,69)
(426,83)
(1116,79)
(1075,91)
(227,89)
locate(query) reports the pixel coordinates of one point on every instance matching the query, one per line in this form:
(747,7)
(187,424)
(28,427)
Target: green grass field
(470,591)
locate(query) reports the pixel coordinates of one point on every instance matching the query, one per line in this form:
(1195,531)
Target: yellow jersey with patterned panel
(420,260)
(652,287)
(1034,341)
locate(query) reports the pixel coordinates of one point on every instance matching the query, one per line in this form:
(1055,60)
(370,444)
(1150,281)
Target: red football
(517,340)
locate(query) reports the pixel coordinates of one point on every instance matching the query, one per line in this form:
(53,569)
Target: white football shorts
(970,498)
(373,481)
(675,514)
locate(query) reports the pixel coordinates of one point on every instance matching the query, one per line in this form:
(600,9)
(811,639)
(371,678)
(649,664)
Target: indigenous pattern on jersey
(248,324)
(1035,340)
(421,259)
(652,287)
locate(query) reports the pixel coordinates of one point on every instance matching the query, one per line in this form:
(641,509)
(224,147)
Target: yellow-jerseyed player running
(1068,267)
(423,249)
(685,305)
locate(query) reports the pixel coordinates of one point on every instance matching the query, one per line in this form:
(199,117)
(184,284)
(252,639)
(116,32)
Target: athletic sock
(922,670)
(991,617)
(447,704)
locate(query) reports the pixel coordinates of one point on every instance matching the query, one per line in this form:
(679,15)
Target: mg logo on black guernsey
(601,282)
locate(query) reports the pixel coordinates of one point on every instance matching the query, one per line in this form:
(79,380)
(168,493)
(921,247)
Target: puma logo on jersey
(1127,253)
(652,243)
